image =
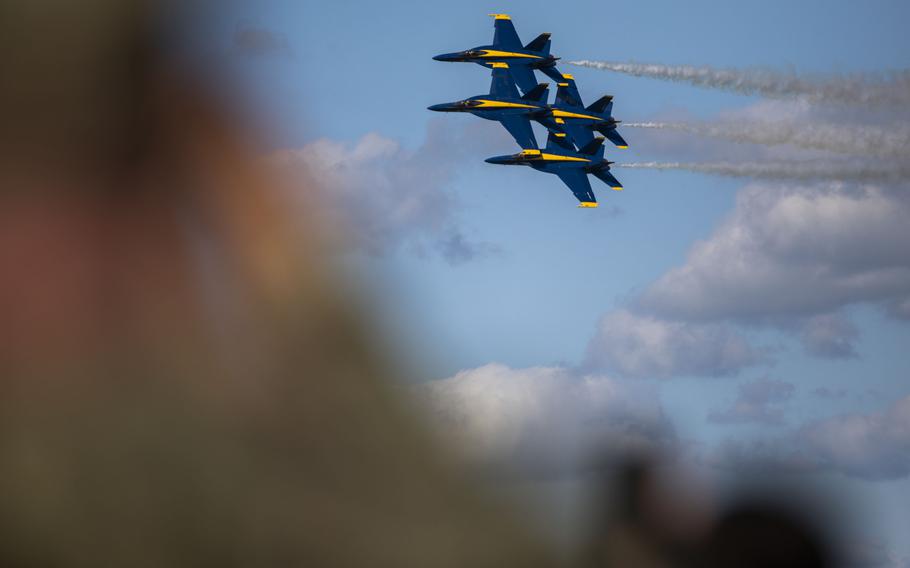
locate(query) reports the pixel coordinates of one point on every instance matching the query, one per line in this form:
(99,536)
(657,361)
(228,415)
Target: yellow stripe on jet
(497,53)
(550,157)
(499,65)
(561,158)
(587,204)
(500,16)
(501,104)
(567,76)
(567,114)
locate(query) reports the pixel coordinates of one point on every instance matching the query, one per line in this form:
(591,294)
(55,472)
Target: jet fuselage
(494,108)
(486,55)
(548,161)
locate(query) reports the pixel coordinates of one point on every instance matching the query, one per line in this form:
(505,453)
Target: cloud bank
(379,197)
(642,346)
(758,401)
(790,251)
(544,421)
(792,257)
(871,446)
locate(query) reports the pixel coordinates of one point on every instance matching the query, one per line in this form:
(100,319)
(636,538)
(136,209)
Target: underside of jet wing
(520,129)
(578,182)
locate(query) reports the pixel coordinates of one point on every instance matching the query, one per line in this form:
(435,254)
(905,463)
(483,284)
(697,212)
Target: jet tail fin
(593,146)
(602,105)
(605,176)
(537,94)
(540,43)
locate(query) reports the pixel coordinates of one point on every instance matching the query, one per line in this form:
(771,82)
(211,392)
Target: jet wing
(520,129)
(524,77)
(578,182)
(505,37)
(580,134)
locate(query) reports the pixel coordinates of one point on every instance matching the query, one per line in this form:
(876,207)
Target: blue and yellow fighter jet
(572,166)
(505,105)
(570,115)
(507,48)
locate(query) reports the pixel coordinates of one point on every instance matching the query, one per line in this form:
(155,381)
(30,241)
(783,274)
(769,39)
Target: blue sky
(543,277)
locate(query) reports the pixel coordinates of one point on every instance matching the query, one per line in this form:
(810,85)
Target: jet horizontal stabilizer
(550,70)
(615,138)
(605,176)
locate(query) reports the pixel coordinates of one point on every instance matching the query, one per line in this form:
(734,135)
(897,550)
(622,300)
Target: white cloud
(757,401)
(830,336)
(378,197)
(867,553)
(634,345)
(830,393)
(871,446)
(792,251)
(543,420)
(900,308)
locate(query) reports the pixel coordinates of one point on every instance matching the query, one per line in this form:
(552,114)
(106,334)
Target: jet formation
(573,149)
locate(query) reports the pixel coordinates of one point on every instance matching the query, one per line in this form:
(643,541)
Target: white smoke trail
(883,89)
(853,139)
(803,171)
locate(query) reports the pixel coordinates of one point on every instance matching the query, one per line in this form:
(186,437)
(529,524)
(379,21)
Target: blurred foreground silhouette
(181,383)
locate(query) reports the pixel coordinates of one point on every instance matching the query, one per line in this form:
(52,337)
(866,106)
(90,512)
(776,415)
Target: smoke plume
(892,88)
(793,170)
(846,139)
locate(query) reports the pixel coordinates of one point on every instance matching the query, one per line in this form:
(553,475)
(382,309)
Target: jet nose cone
(448,57)
(446,107)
